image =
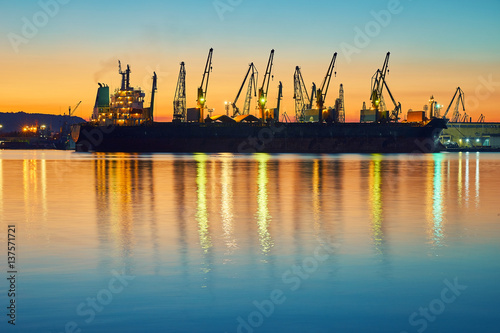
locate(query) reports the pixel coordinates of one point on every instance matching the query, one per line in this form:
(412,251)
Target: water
(252,243)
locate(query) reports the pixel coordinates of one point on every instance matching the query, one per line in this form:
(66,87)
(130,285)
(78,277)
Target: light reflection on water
(207,235)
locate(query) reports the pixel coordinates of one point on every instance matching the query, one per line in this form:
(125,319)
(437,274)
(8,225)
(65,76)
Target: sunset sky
(53,52)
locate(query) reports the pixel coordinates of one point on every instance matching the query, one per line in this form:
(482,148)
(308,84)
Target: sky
(54,52)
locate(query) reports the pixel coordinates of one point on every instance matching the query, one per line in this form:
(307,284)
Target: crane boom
(278,106)
(154,88)
(251,85)
(265,87)
(323,90)
(456,114)
(72,112)
(202,90)
(378,84)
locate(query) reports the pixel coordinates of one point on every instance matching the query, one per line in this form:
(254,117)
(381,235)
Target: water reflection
(201,202)
(375,182)
(459,180)
(316,204)
(263,216)
(436,209)
(1,190)
(227,203)
(477,180)
(122,201)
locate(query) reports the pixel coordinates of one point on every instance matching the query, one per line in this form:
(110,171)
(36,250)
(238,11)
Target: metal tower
(180,96)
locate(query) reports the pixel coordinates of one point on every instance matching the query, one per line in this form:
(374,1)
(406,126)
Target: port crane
(459,96)
(154,88)
(278,106)
(339,106)
(265,86)
(481,118)
(302,100)
(378,84)
(180,96)
(72,112)
(202,90)
(323,90)
(252,86)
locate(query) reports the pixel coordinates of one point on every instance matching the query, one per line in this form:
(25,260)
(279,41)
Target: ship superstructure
(125,106)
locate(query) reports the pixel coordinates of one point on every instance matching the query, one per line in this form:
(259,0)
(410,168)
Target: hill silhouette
(15,121)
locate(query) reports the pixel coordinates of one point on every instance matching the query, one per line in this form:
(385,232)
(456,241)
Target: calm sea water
(251,243)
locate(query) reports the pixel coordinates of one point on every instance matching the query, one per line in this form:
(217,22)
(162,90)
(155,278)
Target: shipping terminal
(121,123)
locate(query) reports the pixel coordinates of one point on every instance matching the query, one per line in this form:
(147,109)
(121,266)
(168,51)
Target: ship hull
(251,138)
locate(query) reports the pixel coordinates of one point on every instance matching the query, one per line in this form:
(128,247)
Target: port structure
(252,76)
(72,111)
(264,89)
(150,115)
(323,90)
(278,104)
(376,97)
(302,100)
(180,96)
(202,89)
(458,98)
(339,106)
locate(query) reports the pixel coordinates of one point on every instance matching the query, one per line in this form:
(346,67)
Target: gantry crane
(202,90)
(180,96)
(72,112)
(378,84)
(252,86)
(460,96)
(302,100)
(481,118)
(265,86)
(323,90)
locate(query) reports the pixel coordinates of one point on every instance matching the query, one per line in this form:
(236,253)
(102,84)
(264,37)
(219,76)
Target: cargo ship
(121,123)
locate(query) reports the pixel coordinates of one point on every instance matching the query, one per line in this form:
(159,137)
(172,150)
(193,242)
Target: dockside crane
(154,88)
(339,106)
(265,86)
(460,99)
(278,106)
(252,86)
(302,100)
(202,90)
(378,84)
(72,112)
(180,96)
(323,90)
